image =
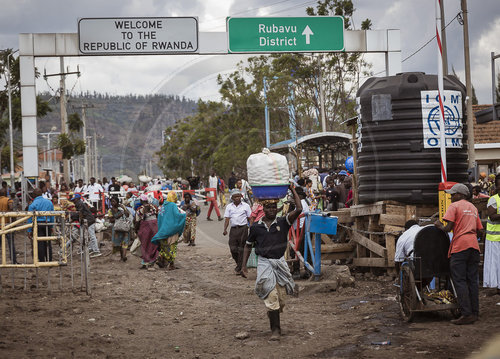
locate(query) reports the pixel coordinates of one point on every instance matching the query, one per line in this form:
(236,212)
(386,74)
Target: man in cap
(237,214)
(274,280)
(462,217)
(86,214)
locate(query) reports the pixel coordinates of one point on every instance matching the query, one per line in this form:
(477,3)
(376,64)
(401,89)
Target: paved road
(209,233)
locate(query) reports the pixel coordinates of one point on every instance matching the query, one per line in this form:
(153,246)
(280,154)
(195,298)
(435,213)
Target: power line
(428,42)
(419,49)
(294,7)
(263,7)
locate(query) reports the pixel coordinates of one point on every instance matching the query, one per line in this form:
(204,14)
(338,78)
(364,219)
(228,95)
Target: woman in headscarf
(146,226)
(170,226)
(120,239)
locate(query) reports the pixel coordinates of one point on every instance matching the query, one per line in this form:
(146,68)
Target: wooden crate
(387,220)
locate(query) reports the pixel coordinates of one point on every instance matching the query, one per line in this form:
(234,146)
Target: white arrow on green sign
(285,34)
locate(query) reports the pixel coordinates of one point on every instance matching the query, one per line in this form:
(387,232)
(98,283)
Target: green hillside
(129,128)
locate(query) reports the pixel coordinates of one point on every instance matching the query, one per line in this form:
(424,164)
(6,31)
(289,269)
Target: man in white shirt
(404,245)
(238,215)
(213,180)
(105,184)
(79,186)
(94,191)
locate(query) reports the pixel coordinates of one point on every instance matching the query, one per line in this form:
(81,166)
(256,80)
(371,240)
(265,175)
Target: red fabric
(213,205)
(222,185)
(349,197)
(257,212)
(467,223)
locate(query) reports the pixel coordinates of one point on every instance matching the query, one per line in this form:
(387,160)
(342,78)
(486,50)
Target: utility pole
(96,166)
(85,155)
(64,113)
(443,39)
(90,157)
(86,171)
(468,84)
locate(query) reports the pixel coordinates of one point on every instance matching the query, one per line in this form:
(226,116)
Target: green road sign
(285,34)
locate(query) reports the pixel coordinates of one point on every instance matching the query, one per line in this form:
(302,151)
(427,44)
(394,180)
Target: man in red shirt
(463,219)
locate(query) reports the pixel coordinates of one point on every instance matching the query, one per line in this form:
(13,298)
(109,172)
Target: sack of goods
(268,174)
(144,178)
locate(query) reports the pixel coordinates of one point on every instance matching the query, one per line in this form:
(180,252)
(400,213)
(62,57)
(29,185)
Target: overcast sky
(194,76)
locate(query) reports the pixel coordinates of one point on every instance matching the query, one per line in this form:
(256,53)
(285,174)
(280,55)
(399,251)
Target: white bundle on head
(267,168)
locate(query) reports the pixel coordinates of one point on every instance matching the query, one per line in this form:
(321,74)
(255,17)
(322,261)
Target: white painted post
(28,105)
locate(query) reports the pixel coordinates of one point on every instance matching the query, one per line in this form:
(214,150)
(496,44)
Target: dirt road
(196,311)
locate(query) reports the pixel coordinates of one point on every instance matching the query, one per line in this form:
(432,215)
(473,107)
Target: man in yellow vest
(491,272)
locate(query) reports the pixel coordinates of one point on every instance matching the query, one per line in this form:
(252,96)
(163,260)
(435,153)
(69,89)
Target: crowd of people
(133,211)
(143,213)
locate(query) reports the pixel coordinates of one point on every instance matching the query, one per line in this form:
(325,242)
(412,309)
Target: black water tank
(396,160)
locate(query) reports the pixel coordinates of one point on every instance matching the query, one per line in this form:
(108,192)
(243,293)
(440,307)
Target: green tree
(70,143)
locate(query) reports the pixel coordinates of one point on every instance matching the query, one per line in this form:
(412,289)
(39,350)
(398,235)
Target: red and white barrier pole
(442,140)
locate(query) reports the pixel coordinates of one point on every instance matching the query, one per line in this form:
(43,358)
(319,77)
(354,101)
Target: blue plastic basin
(269,191)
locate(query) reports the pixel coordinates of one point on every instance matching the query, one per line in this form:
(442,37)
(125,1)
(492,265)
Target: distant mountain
(129,128)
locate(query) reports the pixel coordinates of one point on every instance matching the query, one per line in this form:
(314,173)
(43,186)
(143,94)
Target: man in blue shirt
(44,230)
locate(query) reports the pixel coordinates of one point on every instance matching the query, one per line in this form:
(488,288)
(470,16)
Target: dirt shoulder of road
(196,311)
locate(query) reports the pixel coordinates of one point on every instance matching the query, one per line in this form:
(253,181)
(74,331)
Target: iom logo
(452,104)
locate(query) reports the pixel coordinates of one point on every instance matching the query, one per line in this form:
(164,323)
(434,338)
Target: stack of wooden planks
(372,229)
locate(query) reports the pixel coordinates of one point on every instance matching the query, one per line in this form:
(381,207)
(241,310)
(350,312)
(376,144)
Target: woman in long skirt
(170,226)
(146,225)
